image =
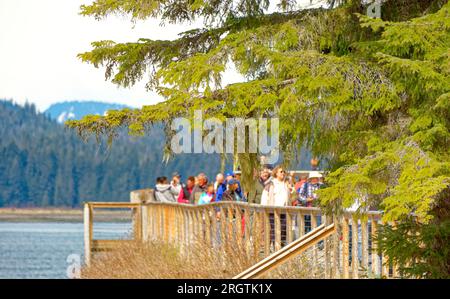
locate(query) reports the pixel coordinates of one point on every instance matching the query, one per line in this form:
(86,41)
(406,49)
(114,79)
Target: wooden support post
(214,226)
(300,223)
(289,237)
(137,231)
(206,214)
(266,232)
(335,253)
(327,249)
(375,257)
(170,223)
(88,233)
(200,223)
(355,259)
(256,232)
(247,225)
(184,227)
(166,224)
(145,222)
(314,248)
(394,265)
(384,263)
(230,230)
(238,224)
(364,245)
(157,222)
(178,223)
(193,224)
(345,249)
(223,225)
(278,229)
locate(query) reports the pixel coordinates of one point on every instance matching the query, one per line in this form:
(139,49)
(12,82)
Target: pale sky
(39,42)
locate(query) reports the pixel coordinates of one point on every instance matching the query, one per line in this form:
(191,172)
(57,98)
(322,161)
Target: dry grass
(163,260)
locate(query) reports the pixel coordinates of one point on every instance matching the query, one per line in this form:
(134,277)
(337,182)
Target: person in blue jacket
(231,175)
(220,186)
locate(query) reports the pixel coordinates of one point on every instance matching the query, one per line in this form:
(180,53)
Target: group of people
(273,187)
(199,190)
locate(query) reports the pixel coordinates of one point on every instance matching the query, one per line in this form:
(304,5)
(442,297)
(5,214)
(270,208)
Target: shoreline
(59,215)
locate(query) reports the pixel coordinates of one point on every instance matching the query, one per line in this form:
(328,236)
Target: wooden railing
(261,229)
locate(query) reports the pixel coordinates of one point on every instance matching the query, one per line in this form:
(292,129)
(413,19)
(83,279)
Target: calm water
(40,250)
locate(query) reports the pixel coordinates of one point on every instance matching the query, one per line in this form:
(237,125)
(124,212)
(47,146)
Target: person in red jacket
(186,191)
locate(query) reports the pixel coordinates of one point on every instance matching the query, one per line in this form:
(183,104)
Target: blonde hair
(275,170)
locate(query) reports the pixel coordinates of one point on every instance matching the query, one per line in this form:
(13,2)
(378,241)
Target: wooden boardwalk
(345,251)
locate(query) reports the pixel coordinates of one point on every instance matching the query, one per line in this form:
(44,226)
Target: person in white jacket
(278,194)
(279,189)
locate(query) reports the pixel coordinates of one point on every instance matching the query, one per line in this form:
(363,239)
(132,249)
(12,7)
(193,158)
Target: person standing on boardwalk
(298,185)
(199,188)
(164,192)
(231,193)
(207,196)
(176,182)
(186,190)
(307,193)
(220,187)
(231,176)
(256,195)
(278,195)
(308,196)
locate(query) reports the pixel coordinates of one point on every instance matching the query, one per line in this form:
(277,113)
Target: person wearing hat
(231,175)
(231,193)
(307,193)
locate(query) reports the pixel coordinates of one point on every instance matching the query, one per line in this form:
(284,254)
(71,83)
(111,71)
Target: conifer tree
(370,97)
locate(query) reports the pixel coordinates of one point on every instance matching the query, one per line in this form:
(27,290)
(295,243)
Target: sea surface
(41,250)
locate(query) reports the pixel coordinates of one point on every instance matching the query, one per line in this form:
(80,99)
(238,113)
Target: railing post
(355,259)
(207,224)
(88,233)
(300,223)
(277,229)
(238,217)
(335,249)
(384,262)
(289,237)
(267,232)
(145,223)
(223,225)
(364,244)
(247,227)
(137,225)
(230,228)
(314,248)
(375,258)
(345,249)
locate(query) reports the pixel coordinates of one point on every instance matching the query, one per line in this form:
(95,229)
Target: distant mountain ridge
(64,111)
(44,164)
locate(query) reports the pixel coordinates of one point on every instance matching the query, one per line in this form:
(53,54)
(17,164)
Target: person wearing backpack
(164,192)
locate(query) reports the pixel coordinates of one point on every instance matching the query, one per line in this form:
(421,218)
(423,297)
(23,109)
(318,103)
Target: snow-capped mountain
(64,111)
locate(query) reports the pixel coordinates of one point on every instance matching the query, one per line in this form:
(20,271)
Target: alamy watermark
(374,9)
(208,136)
(73,271)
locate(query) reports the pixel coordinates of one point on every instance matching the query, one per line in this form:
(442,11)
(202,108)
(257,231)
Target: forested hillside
(44,164)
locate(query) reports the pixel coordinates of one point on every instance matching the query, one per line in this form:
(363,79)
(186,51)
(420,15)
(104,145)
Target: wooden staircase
(288,252)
